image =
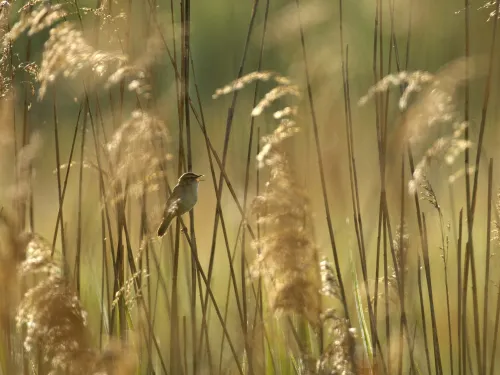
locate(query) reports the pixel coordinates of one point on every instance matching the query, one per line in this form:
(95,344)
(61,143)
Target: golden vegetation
(110,95)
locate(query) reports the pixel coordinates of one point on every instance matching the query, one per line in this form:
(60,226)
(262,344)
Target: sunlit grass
(348,220)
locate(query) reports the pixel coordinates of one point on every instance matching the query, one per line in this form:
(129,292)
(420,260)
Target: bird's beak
(201,177)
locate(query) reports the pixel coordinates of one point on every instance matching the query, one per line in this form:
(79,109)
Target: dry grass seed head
(273,95)
(240,83)
(267,156)
(447,148)
(427,193)
(414,82)
(285,112)
(136,152)
(109,14)
(136,71)
(284,88)
(401,245)
(52,313)
(4,18)
(8,60)
(435,104)
(56,322)
(330,286)
(67,53)
(339,356)
(288,258)
(130,291)
(42,17)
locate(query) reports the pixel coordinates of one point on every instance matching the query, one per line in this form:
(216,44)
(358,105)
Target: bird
(183,198)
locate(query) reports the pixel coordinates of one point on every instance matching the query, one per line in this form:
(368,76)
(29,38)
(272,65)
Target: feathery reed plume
(67,53)
(434,105)
(42,17)
(447,147)
(136,71)
(56,321)
(285,112)
(330,286)
(127,290)
(240,83)
(401,244)
(4,15)
(339,356)
(288,258)
(56,332)
(5,55)
(284,88)
(414,82)
(136,152)
(52,313)
(5,79)
(273,95)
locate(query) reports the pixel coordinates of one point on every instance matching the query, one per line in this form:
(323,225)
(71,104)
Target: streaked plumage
(183,198)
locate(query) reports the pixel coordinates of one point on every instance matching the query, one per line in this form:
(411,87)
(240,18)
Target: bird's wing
(173,206)
(173,201)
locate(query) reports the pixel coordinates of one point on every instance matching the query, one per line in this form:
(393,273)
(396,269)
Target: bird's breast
(190,198)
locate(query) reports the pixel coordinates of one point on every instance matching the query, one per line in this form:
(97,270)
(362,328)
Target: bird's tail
(164,225)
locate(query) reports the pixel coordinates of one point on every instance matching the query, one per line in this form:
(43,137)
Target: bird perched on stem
(183,198)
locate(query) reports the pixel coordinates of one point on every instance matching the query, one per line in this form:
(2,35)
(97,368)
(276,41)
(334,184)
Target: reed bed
(349,218)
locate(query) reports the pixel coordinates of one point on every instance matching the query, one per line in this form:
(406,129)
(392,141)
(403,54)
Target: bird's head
(189,178)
